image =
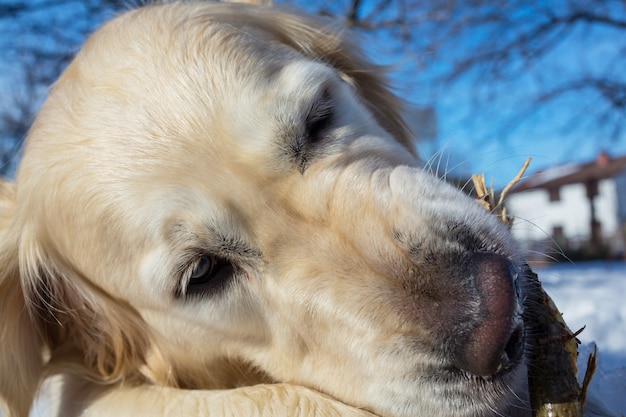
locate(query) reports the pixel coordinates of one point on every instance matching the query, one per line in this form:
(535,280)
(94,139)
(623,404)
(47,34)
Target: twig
(514,181)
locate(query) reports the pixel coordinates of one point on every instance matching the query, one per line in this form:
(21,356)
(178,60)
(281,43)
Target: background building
(577,209)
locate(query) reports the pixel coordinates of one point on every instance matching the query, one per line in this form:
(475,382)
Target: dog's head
(211,187)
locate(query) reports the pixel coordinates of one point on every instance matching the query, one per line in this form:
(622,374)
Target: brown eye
(209,275)
(202,270)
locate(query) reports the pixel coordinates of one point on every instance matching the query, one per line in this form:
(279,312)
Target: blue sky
(475,133)
(493,126)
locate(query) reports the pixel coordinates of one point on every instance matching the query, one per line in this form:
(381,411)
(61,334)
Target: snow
(591,294)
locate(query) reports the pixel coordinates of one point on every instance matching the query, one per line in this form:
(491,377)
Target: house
(577,209)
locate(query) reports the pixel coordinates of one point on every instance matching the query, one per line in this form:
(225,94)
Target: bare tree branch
(352,13)
(499,47)
(613,91)
(39,39)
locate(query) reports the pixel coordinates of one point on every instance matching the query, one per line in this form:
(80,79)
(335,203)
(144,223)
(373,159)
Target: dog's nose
(497,339)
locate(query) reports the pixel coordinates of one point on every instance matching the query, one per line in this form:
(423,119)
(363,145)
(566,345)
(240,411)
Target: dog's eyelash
(320,118)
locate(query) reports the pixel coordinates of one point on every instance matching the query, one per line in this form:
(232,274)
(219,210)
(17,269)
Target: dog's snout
(497,338)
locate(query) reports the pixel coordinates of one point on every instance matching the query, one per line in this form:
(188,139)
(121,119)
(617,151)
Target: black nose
(496,340)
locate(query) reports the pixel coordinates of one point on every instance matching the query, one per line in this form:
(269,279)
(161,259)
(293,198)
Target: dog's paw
(293,401)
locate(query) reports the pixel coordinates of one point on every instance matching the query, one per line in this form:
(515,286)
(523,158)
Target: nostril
(486,357)
(515,347)
(496,338)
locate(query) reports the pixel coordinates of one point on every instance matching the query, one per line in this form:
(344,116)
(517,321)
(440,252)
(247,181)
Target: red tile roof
(602,167)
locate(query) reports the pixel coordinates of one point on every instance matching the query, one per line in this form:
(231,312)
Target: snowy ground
(593,294)
(589,294)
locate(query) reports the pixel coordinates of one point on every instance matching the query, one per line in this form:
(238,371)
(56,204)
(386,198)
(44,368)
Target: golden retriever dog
(219,212)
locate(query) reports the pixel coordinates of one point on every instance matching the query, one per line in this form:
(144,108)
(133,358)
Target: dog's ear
(87,331)
(54,319)
(21,362)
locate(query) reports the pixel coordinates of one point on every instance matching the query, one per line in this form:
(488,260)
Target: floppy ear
(53,319)
(21,346)
(87,331)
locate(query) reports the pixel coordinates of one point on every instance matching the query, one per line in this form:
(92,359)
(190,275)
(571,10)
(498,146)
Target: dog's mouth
(453,391)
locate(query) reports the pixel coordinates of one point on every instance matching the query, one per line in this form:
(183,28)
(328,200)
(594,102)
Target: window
(554,194)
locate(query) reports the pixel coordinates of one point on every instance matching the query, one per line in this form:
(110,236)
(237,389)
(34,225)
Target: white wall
(536,216)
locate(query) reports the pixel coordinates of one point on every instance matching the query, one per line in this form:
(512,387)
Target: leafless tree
(39,38)
(563,61)
(539,58)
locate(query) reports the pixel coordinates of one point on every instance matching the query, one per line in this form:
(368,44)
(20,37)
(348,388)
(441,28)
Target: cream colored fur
(190,129)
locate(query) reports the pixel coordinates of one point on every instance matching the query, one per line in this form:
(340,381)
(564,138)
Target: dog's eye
(208,275)
(320,118)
